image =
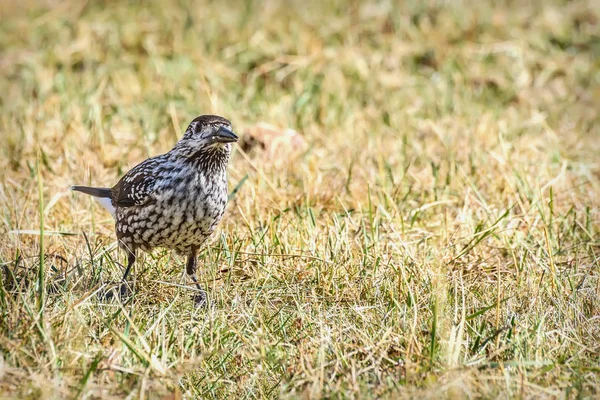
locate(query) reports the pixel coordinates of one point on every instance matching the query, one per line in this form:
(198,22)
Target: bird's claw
(200,299)
(122,290)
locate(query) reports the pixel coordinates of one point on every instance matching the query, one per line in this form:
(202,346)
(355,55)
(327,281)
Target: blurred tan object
(272,140)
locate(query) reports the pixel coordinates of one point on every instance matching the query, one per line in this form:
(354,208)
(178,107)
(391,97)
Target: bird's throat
(210,158)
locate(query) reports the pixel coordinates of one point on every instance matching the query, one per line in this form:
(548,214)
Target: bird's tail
(93,191)
(103,195)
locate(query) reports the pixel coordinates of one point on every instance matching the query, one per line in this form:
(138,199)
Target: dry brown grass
(439,237)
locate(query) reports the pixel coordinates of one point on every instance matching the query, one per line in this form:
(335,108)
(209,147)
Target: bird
(174,200)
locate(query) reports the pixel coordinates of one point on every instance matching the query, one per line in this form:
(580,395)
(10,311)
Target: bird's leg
(130,261)
(190,268)
(124,287)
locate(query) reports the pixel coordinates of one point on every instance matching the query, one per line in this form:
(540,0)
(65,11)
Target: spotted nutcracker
(174,200)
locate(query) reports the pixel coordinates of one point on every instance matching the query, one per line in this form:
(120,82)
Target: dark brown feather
(135,187)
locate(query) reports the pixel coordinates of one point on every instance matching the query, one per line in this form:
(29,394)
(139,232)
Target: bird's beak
(224,135)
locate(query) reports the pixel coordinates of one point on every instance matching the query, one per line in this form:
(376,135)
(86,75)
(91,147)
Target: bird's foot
(120,290)
(200,299)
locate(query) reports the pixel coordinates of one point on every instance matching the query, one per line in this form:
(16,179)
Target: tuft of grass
(437,237)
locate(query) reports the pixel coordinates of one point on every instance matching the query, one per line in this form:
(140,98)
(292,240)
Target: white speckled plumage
(174,200)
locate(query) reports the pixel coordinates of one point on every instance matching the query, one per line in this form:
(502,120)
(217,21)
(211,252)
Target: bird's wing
(137,186)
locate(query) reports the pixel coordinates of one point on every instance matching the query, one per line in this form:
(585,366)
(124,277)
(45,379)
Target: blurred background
(414,201)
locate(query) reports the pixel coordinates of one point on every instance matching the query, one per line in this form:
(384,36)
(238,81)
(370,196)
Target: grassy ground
(438,237)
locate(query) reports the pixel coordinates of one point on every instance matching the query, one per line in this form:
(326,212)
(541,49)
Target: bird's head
(207,136)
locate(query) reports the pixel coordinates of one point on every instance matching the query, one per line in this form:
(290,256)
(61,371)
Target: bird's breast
(195,199)
(185,211)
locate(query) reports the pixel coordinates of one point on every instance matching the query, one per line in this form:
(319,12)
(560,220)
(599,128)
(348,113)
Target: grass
(437,237)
